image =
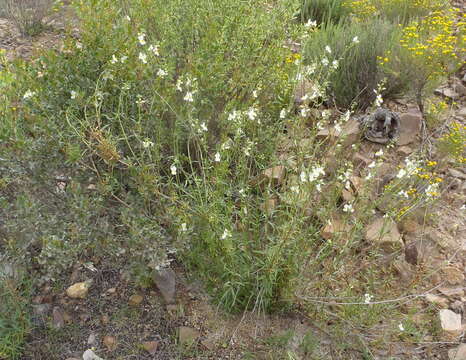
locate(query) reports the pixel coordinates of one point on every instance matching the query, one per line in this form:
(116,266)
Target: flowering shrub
(453,143)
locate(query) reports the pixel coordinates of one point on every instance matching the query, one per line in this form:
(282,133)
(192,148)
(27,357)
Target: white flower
(154,49)
(320,125)
(346,116)
(367,298)
(463,207)
(315,172)
(401,173)
(401,327)
(142,38)
(379,153)
(403,193)
(305,112)
(233,115)
(79,45)
(204,127)
(162,73)
(127,18)
(114,59)
(379,100)
(335,64)
(226,145)
(325,61)
(356,40)
(303,176)
(147,143)
(184,228)
(73,94)
(337,127)
(189,97)
(371,165)
(143,57)
(326,114)
(217,157)
(254,94)
(28,94)
(348,208)
(226,234)
(310,23)
(319,187)
(283,113)
(123,59)
(252,113)
(179,82)
(327,49)
(173,169)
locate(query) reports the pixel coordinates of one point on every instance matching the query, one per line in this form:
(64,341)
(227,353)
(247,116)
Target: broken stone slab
(458,353)
(187,335)
(334,227)
(384,232)
(165,281)
(410,127)
(450,322)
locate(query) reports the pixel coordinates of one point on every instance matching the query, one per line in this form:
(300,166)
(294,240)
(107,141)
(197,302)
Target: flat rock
(437,300)
(58,320)
(450,321)
(90,355)
(150,346)
(457,174)
(384,232)
(410,127)
(275,174)
(187,335)
(404,150)
(459,353)
(458,291)
(453,275)
(166,282)
(78,290)
(135,300)
(334,227)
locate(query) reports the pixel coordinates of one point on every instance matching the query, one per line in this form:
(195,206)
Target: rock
(410,127)
(58,320)
(459,88)
(78,290)
(40,314)
(135,300)
(411,253)
(403,269)
(452,291)
(385,233)
(459,353)
(92,340)
(269,205)
(90,355)
(361,161)
(187,335)
(109,342)
(382,126)
(104,319)
(334,227)
(462,113)
(150,346)
(454,276)
(437,300)
(447,92)
(166,282)
(409,226)
(450,321)
(458,306)
(347,195)
(457,174)
(404,150)
(275,175)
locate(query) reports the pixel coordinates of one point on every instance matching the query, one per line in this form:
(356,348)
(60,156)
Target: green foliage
(357,46)
(323,11)
(14,317)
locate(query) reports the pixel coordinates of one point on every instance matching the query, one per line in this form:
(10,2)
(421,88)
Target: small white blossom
(154,49)
(401,327)
(184,228)
(401,173)
(123,59)
(127,18)
(143,57)
(254,94)
(79,45)
(28,94)
(114,59)
(348,208)
(356,40)
(403,193)
(303,176)
(252,113)
(147,143)
(324,61)
(315,172)
(305,112)
(379,153)
(283,113)
(226,234)
(371,165)
(335,64)
(378,100)
(142,38)
(173,169)
(326,114)
(217,157)
(310,24)
(189,97)
(204,127)
(179,82)
(337,127)
(73,94)
(327,49)
(162,73)
(367,298)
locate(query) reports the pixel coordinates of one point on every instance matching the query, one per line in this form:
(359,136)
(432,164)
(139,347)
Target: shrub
(356,48)
(322,11)
(26,14)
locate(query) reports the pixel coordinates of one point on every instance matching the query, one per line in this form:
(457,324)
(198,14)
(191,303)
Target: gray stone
(187,335)
(457,174)
(410,127)
(384,232)
(166,283)
(90,355)
(450,321)
(57,318)
(459,353)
